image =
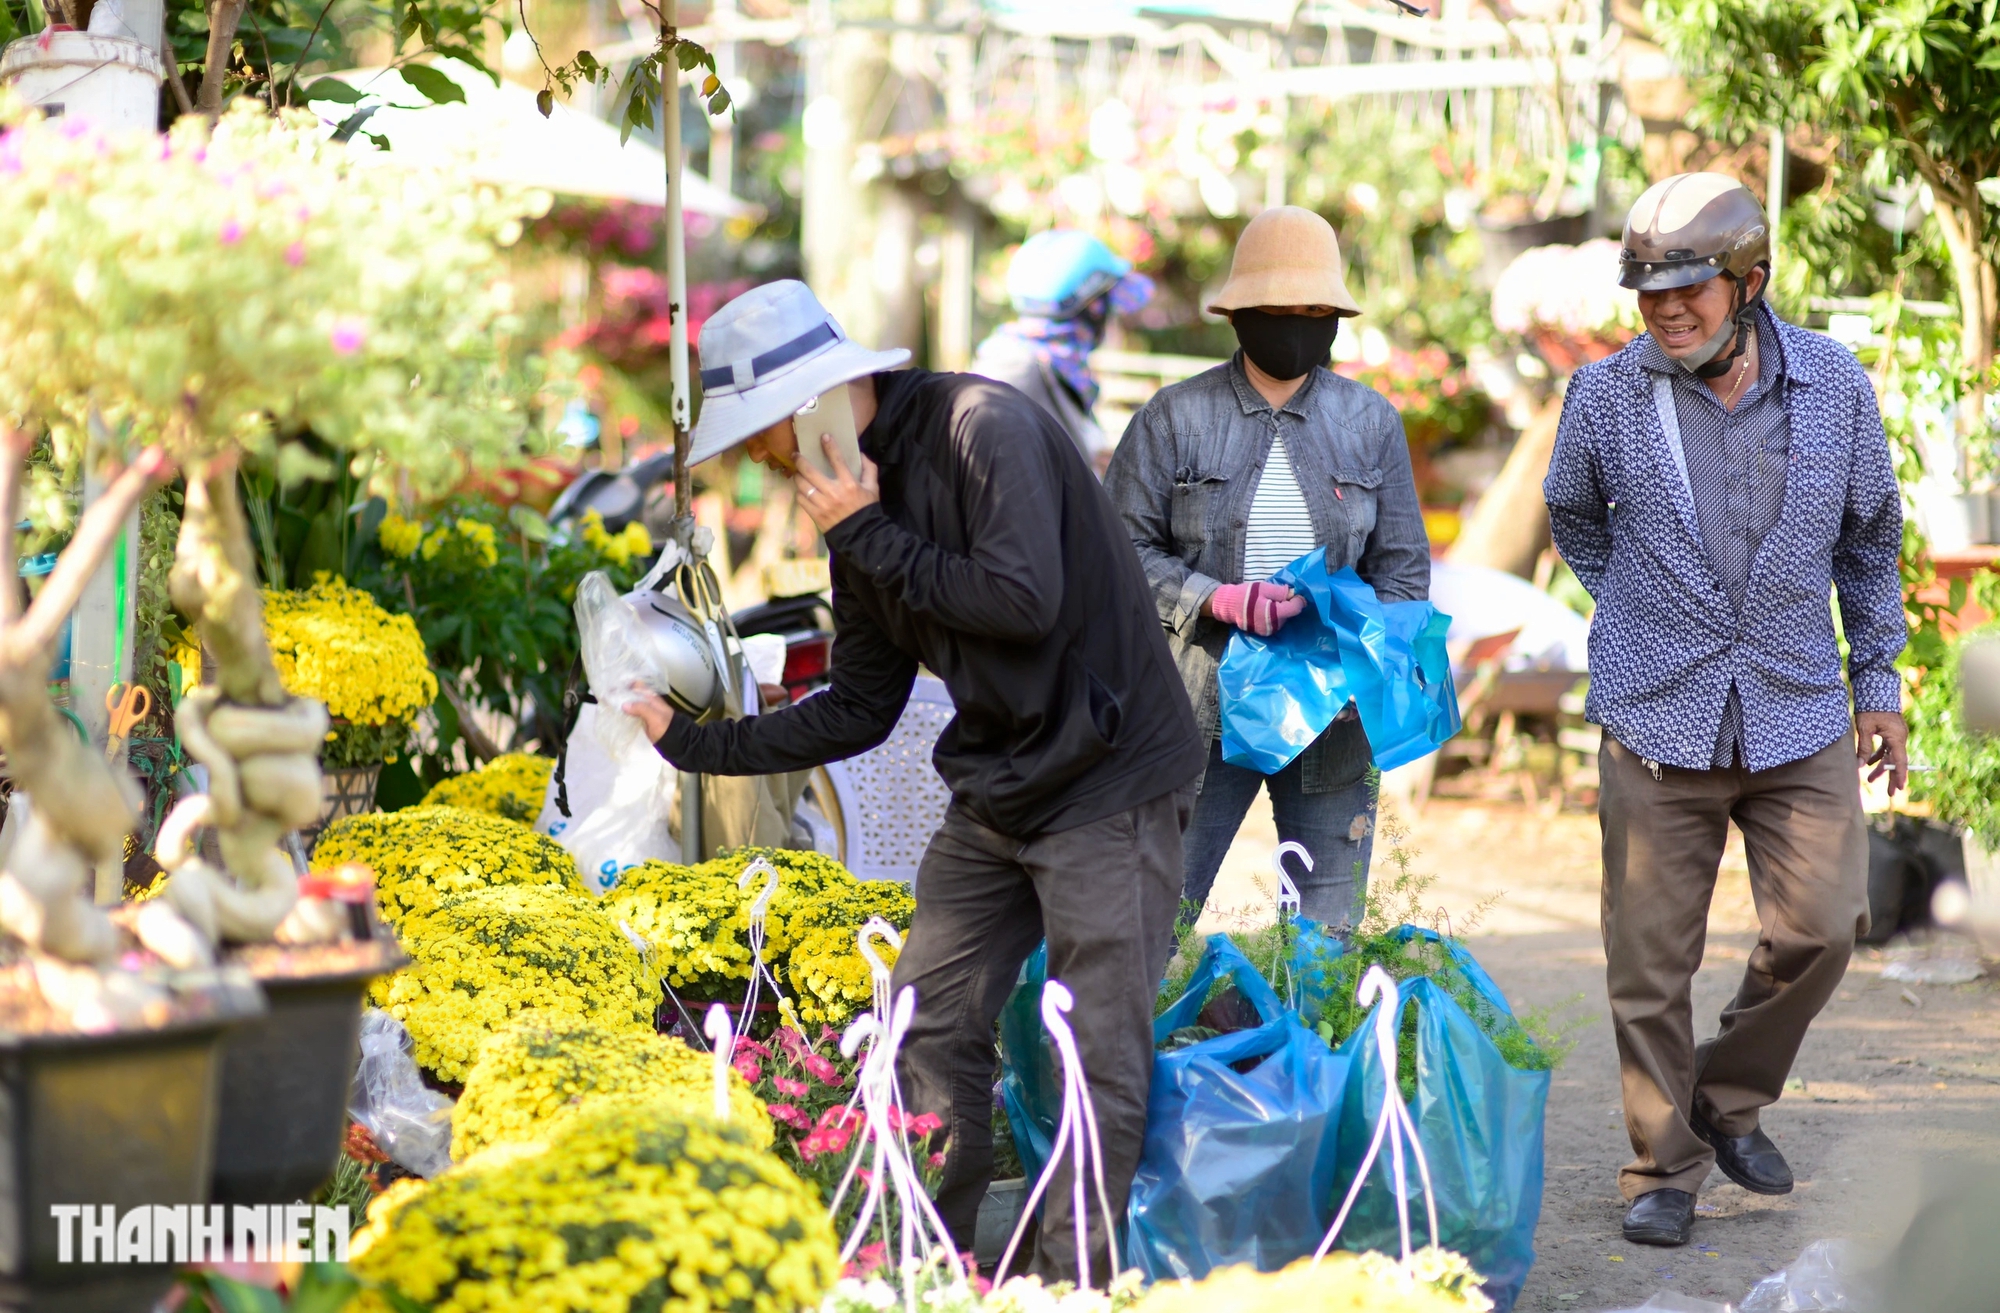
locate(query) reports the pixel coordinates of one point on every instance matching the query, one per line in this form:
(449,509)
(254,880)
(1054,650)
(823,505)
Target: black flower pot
(124,1119)
(285,1082)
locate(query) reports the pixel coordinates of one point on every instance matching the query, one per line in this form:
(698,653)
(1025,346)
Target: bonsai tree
(215,295)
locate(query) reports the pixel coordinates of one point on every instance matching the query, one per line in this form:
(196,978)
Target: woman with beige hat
(1227,477)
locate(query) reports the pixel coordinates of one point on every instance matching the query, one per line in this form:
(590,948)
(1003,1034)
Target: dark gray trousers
(1105,895)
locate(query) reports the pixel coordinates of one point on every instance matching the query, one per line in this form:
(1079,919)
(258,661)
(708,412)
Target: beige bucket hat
(1286,256)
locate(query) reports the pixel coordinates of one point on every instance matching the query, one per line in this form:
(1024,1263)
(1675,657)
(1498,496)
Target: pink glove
(1260,608)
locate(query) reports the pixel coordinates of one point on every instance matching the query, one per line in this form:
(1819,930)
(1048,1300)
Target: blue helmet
(1056,274)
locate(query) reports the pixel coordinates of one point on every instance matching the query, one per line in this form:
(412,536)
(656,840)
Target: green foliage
(158,628)
(320,1288)
(1962,785)
(226,290)
(494,607)
(665,63)
(279,42)
(1896,86)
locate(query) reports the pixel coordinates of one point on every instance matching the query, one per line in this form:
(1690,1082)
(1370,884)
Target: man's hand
(830,500)
(651,709)
(1882,740)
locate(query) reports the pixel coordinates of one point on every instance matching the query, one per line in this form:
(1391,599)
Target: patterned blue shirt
(1736,463)
(1672,639)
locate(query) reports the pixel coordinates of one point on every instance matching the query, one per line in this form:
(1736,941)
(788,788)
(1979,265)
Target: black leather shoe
(1660,1217)
(1751,1161)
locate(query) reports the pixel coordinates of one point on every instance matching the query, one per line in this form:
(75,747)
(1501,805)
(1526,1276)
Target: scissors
(127,709)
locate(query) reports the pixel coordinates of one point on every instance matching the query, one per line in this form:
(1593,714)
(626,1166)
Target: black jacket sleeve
(1009,586)
(871,682)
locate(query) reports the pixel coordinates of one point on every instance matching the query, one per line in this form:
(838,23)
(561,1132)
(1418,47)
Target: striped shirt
(1280,529)
(1736,467)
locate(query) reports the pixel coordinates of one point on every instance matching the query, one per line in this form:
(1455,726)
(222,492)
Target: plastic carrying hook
(1393,1121)
(721,1039)
(760,970)
(879,972)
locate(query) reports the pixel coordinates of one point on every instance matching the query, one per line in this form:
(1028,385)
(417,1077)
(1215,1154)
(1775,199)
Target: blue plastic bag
(1480,1124)
(1238,1166)
(1280,693)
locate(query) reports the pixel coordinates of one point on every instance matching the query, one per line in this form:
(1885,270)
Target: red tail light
(807,657)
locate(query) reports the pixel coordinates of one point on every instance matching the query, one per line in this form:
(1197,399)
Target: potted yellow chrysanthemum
(334,643)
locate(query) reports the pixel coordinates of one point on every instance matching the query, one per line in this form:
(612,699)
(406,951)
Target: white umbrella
(508,141)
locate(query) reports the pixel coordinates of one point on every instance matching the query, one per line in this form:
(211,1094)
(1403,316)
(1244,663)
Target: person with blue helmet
(1064,285)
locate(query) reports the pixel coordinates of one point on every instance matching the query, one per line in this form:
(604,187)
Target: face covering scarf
(1285,346)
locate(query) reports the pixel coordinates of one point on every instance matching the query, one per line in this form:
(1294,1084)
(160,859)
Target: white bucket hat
(766,354)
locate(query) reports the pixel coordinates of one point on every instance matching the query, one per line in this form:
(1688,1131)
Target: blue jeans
(1337,827)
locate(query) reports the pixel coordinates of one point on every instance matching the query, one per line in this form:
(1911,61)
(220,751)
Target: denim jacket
(1667,643)
(1183,478)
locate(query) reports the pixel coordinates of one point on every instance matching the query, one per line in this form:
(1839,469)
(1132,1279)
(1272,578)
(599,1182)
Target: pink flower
(295,254)
(790,1116)
(822,1069)
(936,1161)
(348,336)
(232,233)
(796,1089)
(752,1047)
(749,1069)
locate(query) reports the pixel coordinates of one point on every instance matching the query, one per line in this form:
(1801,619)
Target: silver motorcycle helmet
(681,653)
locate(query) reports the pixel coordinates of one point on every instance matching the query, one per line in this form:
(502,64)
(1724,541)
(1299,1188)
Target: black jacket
(995,560)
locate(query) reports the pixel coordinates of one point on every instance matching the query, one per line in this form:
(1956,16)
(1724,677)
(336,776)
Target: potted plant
(217,293)
(334,643)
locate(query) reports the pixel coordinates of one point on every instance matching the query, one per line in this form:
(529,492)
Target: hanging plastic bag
(410,1121)
(1280,693)
(1030,1083)
(1242,1134)
(630,825)
(1480,1124)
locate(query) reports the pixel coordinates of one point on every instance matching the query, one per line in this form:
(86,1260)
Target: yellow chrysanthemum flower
(630,1206)
(333,642)
(480,959)
(540,1072)
(511,785)
(399,537)
(422,855)
(695,920)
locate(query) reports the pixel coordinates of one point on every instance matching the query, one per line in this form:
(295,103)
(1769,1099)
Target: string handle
(760,970)
(1393,1122)
(920,1232)
(1077,1132)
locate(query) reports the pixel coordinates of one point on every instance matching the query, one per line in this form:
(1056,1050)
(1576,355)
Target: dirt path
(1891,1077)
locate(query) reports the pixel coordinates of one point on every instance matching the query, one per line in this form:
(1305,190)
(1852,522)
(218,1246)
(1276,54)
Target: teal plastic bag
(1030,1082)
(1242,1137)
(1280,693)
(1479,1122)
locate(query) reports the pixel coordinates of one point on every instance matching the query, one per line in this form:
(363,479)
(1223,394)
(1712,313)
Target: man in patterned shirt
(1712,483)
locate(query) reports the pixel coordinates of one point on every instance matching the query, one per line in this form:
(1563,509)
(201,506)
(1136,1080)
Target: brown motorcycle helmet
(1689,229)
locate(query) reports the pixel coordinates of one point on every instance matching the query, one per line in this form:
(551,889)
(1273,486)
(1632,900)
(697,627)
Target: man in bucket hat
(976,542)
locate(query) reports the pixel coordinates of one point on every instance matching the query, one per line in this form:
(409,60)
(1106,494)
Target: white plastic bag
(630,825)
(411,1122)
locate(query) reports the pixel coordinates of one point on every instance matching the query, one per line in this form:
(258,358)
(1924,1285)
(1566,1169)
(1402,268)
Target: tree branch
(223,18)
(14,448)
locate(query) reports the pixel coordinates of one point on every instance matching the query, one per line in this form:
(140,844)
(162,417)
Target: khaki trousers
(1807,848)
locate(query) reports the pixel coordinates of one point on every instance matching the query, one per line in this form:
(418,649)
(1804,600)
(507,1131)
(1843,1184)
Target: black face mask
(1285,346)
